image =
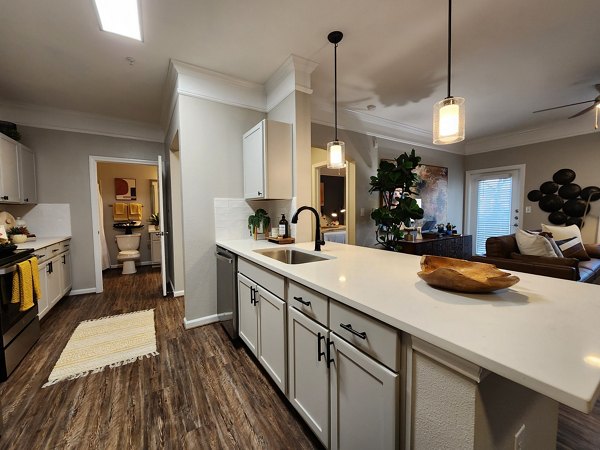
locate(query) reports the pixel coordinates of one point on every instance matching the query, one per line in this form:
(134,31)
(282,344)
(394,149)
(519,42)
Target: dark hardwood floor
(199,392)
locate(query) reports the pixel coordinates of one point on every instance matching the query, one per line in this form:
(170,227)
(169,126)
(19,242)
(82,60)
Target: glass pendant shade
(449,121)
(336,155)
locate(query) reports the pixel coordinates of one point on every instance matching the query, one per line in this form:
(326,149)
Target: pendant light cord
(335,85)
(449,43)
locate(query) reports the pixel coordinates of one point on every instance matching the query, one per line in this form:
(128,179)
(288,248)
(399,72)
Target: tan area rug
(107,342)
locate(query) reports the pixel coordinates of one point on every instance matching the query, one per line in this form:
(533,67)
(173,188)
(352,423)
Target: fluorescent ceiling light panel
(120,17)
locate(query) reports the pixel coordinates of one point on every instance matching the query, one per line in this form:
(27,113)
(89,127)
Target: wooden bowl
(463,276)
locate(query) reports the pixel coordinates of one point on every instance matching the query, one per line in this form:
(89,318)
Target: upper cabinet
(17,172)
(27,181)
(267,150)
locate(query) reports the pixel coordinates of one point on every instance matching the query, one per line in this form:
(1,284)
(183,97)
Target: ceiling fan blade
(563,106)
(589,108)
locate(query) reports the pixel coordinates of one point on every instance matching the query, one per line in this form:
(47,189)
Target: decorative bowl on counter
(463,276)
(18,238)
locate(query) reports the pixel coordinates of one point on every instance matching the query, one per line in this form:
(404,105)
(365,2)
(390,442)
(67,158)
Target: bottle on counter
(284,227)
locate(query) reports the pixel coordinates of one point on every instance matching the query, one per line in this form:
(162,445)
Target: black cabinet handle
(329,358)
(64,258)
(253,292)
(304,302)
(5,197)
(360,334)
(26,199)
(319,349)
(259,194)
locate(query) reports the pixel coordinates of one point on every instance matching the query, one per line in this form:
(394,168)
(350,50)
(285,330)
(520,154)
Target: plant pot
(18,238)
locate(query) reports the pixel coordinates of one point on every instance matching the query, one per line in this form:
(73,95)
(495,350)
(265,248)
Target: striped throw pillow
(573,248)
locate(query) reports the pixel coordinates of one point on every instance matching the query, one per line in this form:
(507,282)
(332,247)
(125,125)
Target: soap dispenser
(284,227)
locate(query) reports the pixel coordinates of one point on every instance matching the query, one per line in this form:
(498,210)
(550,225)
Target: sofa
(503,252)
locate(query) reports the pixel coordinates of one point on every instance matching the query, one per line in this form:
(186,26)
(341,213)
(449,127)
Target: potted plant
(258,223)
(154,219)
(396,181)
(18,235)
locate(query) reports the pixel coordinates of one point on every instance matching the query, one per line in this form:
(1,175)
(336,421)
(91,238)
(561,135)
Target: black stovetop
(18,255)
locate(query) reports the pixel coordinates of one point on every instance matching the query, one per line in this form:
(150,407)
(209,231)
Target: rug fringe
(100,369)
(117,315)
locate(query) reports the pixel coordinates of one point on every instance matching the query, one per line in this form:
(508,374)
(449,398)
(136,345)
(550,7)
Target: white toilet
(128,251)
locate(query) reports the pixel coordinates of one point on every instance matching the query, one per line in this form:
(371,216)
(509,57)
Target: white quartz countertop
(42,242)
(542,333)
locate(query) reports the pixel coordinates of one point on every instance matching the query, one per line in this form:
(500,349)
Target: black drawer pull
(319,349)
(360,334)
(304,302)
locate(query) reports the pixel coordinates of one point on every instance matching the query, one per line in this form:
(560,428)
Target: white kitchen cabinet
(364,400)
(308,372)
(53,281)
(55,272)
(66,281)
(248,313)
(271,335)
(43,304)
(27,181)
(9,171)
(155,248)
(267,159)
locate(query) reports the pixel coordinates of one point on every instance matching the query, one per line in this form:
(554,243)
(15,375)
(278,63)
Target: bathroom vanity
(370,355)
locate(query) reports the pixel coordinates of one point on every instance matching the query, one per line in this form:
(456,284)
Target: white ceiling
(509,57)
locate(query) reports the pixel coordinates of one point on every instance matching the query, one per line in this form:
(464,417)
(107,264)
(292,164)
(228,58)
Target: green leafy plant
(17,230)
(396,181)
(154,219)
(259,219)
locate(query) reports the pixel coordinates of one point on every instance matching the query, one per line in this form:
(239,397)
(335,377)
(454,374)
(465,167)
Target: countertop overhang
(542,333)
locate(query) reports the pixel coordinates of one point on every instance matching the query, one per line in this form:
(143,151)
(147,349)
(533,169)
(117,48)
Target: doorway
(117,185)
(494,203)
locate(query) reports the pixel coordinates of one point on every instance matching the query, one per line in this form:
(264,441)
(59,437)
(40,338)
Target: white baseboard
(225,316)
(178,293)
(200,321)
(82,291)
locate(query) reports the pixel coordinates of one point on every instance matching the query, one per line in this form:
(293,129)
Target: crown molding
(550,132)
(78,122)
(379,127)
(293,75)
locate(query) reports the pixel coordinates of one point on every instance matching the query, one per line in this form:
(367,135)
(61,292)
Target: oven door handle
(8,269)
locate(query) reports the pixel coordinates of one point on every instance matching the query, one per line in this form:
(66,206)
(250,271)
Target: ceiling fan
(596,105)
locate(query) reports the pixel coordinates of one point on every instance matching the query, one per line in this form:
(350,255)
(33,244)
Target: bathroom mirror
(154,196)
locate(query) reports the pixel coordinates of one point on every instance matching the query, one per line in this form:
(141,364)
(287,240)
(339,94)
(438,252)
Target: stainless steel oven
(20,329)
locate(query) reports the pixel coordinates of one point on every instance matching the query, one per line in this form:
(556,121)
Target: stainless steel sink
(290,255)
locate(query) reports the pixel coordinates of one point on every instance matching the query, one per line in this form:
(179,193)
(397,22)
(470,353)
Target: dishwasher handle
(224,258)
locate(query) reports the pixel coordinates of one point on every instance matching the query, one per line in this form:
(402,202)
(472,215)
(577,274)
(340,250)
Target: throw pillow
(548,236)
(560,233)
(533,244)
(573,248)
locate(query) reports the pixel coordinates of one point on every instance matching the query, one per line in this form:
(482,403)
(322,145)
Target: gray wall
(63,176)
(542,160)
(210,147)
(359,148)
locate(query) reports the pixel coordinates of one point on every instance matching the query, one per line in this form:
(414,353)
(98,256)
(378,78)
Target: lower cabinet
(53,281)
(43,304)
(248,313)
(55,273)
(66,277)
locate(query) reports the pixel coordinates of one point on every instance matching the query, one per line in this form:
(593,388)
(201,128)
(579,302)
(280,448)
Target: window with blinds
(494,197)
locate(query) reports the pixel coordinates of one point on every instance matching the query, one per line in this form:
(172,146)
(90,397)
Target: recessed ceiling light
(120,17)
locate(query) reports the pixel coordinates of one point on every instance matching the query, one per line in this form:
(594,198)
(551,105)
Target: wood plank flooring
(200,392)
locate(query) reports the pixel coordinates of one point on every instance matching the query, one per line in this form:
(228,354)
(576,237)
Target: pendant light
(336,149)
(449,114)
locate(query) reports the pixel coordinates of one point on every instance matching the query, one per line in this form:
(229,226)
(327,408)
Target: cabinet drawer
(42,254)
(64,246)
(267,279)
(53,250)
(310,302)
(376,339)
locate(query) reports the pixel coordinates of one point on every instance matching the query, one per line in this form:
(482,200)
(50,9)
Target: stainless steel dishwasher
(227,291)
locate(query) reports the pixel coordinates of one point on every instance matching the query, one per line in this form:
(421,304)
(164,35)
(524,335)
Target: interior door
(494,205)
(161,225)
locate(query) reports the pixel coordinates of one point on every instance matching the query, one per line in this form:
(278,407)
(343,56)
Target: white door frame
(520,168)
(94,160)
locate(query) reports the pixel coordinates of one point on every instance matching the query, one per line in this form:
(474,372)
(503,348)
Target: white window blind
(494,196)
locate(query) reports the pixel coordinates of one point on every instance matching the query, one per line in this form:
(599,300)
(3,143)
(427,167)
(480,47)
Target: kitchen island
(537,342)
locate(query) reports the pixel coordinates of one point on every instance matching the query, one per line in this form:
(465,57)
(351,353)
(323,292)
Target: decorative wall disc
(574,221)
(535,195)
(570,190)
(575,207)
(549,187)
(590,191)
(551,203)
(564,176)
(557,218)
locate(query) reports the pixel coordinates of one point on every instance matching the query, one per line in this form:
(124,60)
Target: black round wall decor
(570,190)
(557,218)
(574,221)
(551,203)
(591,192)
(535,195)
(564,176)
(549,187)
(575,207)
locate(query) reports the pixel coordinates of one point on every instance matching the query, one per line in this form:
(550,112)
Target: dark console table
(453,246)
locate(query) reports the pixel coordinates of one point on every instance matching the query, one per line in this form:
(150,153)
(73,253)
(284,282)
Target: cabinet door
(271,335)
(43,304)
(308,372)
(9,172)
(155,248)
(53,280)
(364,400)
(254,168)
(247,313)
(27,175)
(66,281)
